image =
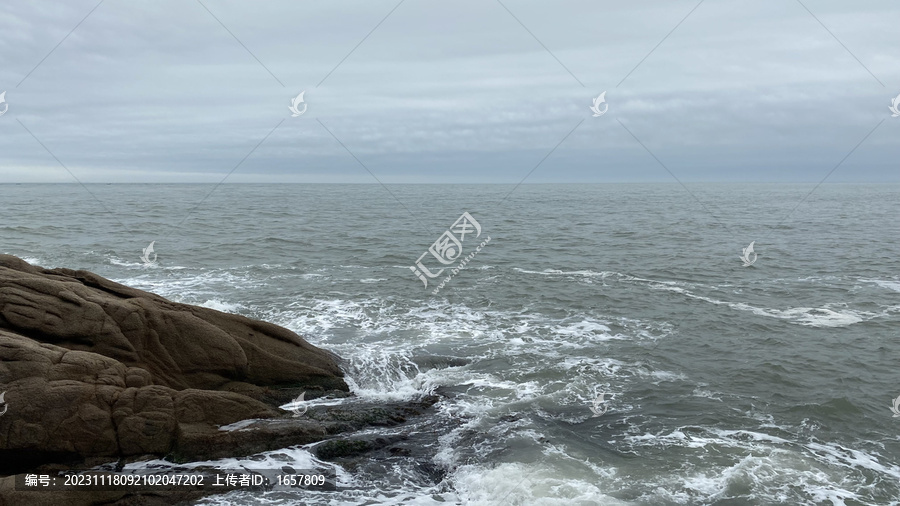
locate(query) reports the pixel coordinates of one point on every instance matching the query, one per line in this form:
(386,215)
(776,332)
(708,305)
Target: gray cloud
(448,92)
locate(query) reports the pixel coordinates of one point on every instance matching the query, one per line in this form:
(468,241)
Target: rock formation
(95,371)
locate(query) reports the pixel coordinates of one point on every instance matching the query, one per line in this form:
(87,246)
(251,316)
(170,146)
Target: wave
(890,284)
(765,466)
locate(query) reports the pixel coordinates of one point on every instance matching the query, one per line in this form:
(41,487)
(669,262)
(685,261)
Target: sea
(603,344)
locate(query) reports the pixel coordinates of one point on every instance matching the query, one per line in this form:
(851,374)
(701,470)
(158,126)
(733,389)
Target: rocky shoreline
(96,372)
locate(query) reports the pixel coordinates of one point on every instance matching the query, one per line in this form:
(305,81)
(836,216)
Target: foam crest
(535,483)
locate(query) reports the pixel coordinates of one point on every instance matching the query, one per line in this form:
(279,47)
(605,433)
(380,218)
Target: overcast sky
(449,92)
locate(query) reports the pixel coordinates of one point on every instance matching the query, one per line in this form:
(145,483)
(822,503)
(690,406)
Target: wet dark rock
(440,362)
(339,448)
(317,424)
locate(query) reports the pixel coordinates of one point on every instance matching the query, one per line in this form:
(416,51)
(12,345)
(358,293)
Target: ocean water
(725,385)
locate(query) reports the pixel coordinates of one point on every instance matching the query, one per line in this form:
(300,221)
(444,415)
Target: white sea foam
(536,483)
(136,264)
(34,261)
(808,316)
(752,479)
(826,316)
(841,456)
(603,275)
(591,329)
(242,424)
(321,401)
(558,272)
(890,284)
(218,305)
(297,458)
(832,315)
(772,466)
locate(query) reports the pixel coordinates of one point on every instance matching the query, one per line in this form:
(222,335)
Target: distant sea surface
(725,385)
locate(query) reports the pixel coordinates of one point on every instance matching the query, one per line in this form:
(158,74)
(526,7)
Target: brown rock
(92,368)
